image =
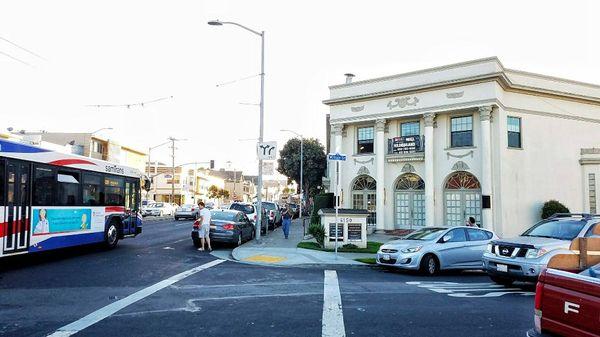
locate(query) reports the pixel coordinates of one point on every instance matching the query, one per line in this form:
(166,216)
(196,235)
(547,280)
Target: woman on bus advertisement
(61,220)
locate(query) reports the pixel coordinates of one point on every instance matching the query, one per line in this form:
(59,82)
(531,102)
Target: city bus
(51,200)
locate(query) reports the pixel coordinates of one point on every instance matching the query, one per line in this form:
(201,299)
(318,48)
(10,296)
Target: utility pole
(173,140)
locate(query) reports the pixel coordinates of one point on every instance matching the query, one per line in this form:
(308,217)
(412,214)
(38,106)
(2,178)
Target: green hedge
(551,207)
(323,200)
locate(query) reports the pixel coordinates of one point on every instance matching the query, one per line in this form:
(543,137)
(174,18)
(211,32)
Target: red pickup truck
(567,304)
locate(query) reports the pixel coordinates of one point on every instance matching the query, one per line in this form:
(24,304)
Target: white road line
(114,307)
(333,316)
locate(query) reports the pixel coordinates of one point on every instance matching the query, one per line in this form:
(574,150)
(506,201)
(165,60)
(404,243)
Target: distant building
(238,186)
(88,145)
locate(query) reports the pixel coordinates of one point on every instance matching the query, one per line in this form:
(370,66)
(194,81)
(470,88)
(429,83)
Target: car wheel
(430,265)
(111,235)
(502,280)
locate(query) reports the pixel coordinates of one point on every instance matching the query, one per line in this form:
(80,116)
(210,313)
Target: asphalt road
(41,293)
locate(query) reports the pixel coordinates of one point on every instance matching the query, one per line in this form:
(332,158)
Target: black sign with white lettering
(406,144)
(332,232)
(355,231)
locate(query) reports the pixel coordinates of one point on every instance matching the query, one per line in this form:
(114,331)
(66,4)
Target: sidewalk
(275,250)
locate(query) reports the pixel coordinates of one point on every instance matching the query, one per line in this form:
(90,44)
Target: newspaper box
(352,227)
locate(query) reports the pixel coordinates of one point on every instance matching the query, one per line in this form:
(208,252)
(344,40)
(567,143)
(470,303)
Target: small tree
(318,232)
(223,194)
(552,207)
(213,192)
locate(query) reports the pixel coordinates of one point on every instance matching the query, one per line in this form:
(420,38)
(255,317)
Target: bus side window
(127,195)
(113,191)
(43,186)
(68,188)
(92,195)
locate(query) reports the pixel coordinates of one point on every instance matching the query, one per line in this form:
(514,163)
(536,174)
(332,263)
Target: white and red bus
(51,200)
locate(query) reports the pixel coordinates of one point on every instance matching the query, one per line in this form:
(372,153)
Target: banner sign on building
(405,144)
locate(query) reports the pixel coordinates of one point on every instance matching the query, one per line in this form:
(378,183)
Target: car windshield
(557,229)
(248,209)
(269,206)
(425,234)
(227,216)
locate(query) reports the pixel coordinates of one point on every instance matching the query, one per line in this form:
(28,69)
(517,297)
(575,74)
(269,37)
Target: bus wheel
(111,235)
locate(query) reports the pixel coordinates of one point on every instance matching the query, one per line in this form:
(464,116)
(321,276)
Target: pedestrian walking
(204,231)
(287,220)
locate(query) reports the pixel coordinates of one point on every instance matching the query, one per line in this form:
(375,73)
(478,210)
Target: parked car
(188,211)
(432,249)
(227,226)
(145,207)
(251,213)
(567,304)
(273,214)
(159,209)
(524,257)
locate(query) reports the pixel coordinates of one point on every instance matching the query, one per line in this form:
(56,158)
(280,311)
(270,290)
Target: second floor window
(97,147)
(410,129)
(461,131)
(365,140)
(514,132)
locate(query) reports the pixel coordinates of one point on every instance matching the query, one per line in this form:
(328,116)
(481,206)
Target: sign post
(337,157)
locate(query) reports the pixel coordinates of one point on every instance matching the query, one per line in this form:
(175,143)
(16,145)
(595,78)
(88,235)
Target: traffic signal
(212,164)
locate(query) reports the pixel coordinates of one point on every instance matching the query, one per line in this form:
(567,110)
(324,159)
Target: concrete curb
(302,257)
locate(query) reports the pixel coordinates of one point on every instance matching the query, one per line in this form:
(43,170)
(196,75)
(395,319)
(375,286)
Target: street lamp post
(301,167)
(91,134)
(262,108)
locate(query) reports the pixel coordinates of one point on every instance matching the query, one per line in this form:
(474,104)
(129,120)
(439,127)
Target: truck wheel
(111,235)
(502,280)
(430,265)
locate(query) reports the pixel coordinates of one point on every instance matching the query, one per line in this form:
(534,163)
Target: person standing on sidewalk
(204,231)
(287,220)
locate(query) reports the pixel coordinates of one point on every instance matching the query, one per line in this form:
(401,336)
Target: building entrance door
(409,201)
(462,199)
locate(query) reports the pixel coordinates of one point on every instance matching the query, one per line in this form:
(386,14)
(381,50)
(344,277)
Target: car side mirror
(446,238)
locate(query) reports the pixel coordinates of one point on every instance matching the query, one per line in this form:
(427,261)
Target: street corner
(269,259)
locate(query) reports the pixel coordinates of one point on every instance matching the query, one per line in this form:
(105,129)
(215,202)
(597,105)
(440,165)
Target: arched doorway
(364,192)
(462,198)
(409,197)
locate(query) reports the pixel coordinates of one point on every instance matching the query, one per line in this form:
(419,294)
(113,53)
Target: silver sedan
(432,249)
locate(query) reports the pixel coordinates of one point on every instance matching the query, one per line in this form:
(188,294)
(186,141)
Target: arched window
(462,198)
(364,182)
(364,193)
(462,180)
(410,181)
(409,201)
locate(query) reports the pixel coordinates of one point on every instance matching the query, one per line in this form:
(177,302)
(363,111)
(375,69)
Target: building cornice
(502,77)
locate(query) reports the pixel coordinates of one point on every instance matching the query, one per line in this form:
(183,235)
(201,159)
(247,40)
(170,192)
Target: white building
(435,146)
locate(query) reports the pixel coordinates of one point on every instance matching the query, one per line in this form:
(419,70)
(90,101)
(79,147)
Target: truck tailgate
(571,304)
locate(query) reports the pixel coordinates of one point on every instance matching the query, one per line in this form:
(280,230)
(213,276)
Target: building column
(337,130)
(429,180)
(485,113)
(380,153)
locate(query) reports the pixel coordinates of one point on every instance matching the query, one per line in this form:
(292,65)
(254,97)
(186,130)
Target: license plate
(502,267)
(213,227)
(386,256)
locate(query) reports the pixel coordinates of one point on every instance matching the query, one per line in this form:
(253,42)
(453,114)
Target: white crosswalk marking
(102,313)
(469,290)
(333,316)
